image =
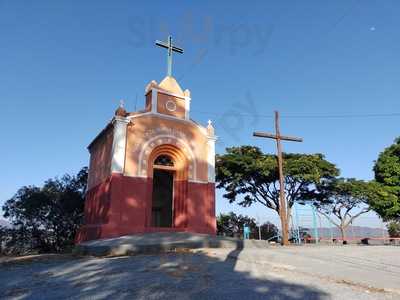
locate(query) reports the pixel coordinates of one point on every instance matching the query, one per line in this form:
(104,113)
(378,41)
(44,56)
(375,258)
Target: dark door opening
(161,212)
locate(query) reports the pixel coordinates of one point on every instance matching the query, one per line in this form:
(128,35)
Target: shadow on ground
(163,276)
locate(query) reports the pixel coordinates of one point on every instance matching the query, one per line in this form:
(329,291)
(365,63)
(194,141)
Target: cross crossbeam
(171,48)
(275,137)
(282,201)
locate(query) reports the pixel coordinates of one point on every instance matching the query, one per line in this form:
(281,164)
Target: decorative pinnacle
(121,112)
(210,128)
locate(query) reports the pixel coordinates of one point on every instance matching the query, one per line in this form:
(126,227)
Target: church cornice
(109,125)
(202,129)
(101,133)
(165,92)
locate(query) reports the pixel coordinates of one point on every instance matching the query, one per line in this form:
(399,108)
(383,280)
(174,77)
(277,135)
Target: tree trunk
(343,233)
(289,216)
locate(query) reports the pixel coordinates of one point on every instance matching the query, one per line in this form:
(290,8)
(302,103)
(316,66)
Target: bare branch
(329,218)
(365,210)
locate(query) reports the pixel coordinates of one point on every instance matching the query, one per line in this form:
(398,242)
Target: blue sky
(64,66)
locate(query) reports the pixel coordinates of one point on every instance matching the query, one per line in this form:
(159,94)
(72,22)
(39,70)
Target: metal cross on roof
(171,48)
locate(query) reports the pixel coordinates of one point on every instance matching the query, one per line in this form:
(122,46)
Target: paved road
(375,266)
(273,273)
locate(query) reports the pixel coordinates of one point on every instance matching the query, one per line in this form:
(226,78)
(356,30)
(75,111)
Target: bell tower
(167,98)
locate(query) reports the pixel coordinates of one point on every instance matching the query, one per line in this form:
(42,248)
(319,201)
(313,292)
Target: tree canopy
(343,200)
(387,166)
(387,173)
(232,225)
(394,229)
(250,176)
(46,218)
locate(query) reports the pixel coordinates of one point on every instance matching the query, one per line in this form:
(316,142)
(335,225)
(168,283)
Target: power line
(382,115)
(298,116)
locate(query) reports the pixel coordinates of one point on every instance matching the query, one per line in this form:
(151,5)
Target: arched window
(164,160)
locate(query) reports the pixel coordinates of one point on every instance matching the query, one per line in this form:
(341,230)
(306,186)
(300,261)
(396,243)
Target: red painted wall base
(122,205)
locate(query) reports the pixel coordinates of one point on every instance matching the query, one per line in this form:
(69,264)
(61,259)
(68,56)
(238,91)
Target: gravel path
(205,274)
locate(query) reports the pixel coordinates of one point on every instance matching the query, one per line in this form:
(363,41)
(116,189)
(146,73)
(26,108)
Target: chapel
(151,170)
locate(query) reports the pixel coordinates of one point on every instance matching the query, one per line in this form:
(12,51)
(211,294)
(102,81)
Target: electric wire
(299,116)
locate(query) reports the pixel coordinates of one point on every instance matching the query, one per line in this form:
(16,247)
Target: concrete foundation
(160,242)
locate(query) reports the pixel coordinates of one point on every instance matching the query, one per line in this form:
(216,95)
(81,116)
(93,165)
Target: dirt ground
(324,272)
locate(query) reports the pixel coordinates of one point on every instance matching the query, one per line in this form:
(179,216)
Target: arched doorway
(169,168)
(163,191)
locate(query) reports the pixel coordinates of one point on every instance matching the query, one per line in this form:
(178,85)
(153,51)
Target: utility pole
(259,227)
(315,225)
(282,201)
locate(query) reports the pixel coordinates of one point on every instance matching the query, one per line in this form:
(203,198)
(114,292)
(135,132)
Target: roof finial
(210,128)
(121,112)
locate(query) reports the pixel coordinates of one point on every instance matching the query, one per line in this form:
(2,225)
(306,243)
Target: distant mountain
(351,231)
(5,223)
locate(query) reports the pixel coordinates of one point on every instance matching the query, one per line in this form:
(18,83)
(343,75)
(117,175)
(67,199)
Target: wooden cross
(282,202)
(171,48)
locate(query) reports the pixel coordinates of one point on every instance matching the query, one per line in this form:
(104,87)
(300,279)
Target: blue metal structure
(304,217)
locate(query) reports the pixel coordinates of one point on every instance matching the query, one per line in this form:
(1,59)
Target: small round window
(170,105)
(164,160)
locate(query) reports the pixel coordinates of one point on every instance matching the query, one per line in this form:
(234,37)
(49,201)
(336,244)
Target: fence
(307,224)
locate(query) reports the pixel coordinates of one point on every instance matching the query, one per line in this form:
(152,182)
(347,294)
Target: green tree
(394,229)
(47,218)
(269,231)
(250,176)
(341,201)
(387,173)
(232,225)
